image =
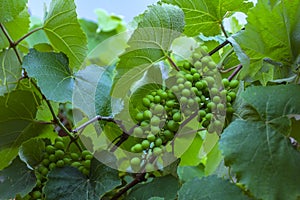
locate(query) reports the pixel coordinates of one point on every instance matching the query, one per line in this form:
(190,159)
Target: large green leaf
(10,9)
(21,21)
(52,72)
(270,42)
(31,152)
(210,187)
(10,71)
(151,41)
(17,123)
(69,183)
(206,16)
(16,179)
(64,32)
(165,187)
(257,146)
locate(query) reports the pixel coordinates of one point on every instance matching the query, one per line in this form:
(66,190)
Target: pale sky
(85,8)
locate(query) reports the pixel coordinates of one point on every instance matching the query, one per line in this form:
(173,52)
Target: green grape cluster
(194,88)
(56,156)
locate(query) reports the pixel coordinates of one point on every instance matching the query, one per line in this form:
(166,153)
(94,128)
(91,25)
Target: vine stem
(97,118)
(138,179)
(235,72)
(173,64)
(218,47)
(223,30)
(27,35)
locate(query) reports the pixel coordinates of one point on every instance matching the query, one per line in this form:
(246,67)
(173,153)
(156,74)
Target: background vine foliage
(180,107)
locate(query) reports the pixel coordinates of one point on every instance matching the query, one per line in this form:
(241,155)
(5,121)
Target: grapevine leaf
(52,73)
(92,90)
(257,147)
(21,21)
(187,173)
(168,186)
(152,39)
(10,9)
(214,158)
(206,16)
(31,152)
(191,156)
(210,187)
(10,71)
(69,183)
(63,30)
(17,123)
(108,22)
(44,113)
(270,42)
(16,179)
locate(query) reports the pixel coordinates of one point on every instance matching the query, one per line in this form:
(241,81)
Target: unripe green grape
(210,80)
(186,66)
(138,131)
(84,153)
(181,86)
(155,129)
(81,168)
(208,116)
(216,99)
(76,164)
(199,85)
(157,151)
(233,83)
(163,95)
(158,109)
(196,56)
(214,91)
(147,114)
(205,123)
(144,123)
(186,92)
(177,117)
(172,125)
(183,100)
(205,60)
(67,161)
(229,110)
(151,137)
(59,154)
(193,71)
(59,139)
(145,144)
(194,91)
(155,121)
(153,93)
(201,113)
(232,95)
(228,98)
(211,65)
(170,103)
(175,88)
(168,134)
(52,166)
(50,149)
(85,172)
(211,105)
(158,142)
(60,163)
(198,65)
(146,102)
(188,84)
(139,116)
(225,82)
(87,163)
(74,156)
(180,80)
(220,107)
(59,145)
(43,170)
(191,102)
(150,97)
(137,148)
(45,162)
(52,158)
(189,77)
(149,167)
(36,194)
(157,99)
(38,183)
(218,123)
(196,77)
(171,95)
(89,157)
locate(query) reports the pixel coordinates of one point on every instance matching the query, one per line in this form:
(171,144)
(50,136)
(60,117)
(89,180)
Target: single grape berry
(225,82)
(157,151)
(74,156)
(139,117)
(158,142)
(233,83)
(76,164)
(151,137)
(135,161)
(138,131)
(52,166)
(177,117)
(36,194)
(186,92)
(137,148)
(146,102)
(155,121)
(145,144)
(172,125)
(87,163)
(60,163)
(155,129)
(59,145)
(147,114)
(59,154)
(50,149)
